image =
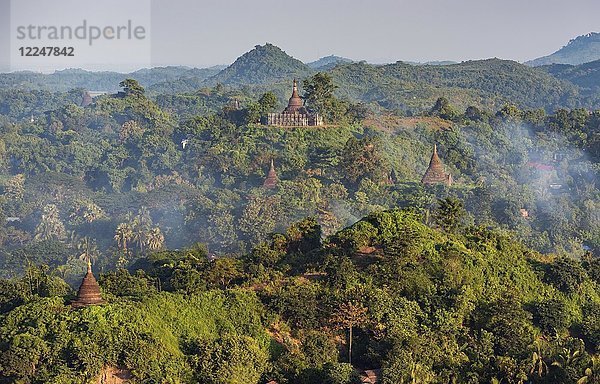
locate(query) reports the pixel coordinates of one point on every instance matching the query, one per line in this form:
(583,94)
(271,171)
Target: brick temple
(295,114)
(89,291)
(272,179)
(435,173)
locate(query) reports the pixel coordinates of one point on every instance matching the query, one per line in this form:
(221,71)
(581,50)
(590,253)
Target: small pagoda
(89,290)
(272,179)
(435,173)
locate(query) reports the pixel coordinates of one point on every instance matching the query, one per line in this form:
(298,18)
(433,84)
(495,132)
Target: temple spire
(295,103)
(89,290)
(435,173)
(272,179)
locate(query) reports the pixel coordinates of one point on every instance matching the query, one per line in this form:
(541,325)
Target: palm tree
(141,227)
(155,239)
(92,212)
(50,226)
(123,235)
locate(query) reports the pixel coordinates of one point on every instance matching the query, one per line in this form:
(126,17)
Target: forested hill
(389,294)
(345,261)
(328,62)
(264,64)
(489,83)
(580,50)
(586,76)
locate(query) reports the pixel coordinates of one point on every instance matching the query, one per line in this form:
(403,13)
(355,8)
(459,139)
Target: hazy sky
(218,31)
(202,33)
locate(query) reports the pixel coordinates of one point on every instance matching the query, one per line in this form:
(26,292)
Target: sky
(202,33)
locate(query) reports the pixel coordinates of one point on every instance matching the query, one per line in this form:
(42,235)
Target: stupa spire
(89,290)
(435,173)
(295,102)
(272,179)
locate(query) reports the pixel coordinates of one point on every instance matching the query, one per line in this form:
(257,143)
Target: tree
(50,226)
(318,90)
(123,235)
(347,316)
(267,102)
(566,274)
(362,158)
(509,111)
(259,217)
(223,271)
(89,250)
(591,324)
(552,315)
(230,359)
(510,324)
(155,239)
(473,113)
(340,373)
(132,88)
(318,94)
(443,109)
(449,213)
(24,355)
(141,226)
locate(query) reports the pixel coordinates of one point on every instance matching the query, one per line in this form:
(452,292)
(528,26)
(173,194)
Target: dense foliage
(210,277)
(420,304)
(123,176)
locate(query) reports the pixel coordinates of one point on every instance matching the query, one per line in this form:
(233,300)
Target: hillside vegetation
(421,304)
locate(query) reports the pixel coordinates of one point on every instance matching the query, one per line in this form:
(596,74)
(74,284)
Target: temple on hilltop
(295,114)
(89,290)
(435,174)
(272,179)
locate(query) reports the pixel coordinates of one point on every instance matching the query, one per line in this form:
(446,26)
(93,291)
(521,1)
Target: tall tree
(348,316)
(123,235)
(449,213)
(318,94)
(141,226)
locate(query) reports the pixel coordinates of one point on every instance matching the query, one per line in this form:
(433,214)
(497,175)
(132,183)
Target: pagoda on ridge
(295,114)
(435,173)
(272,179)
(89,290)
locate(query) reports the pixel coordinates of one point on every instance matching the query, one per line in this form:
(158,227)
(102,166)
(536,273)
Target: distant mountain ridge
(580,50)
(101,81)
(328,62)
(400,86)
